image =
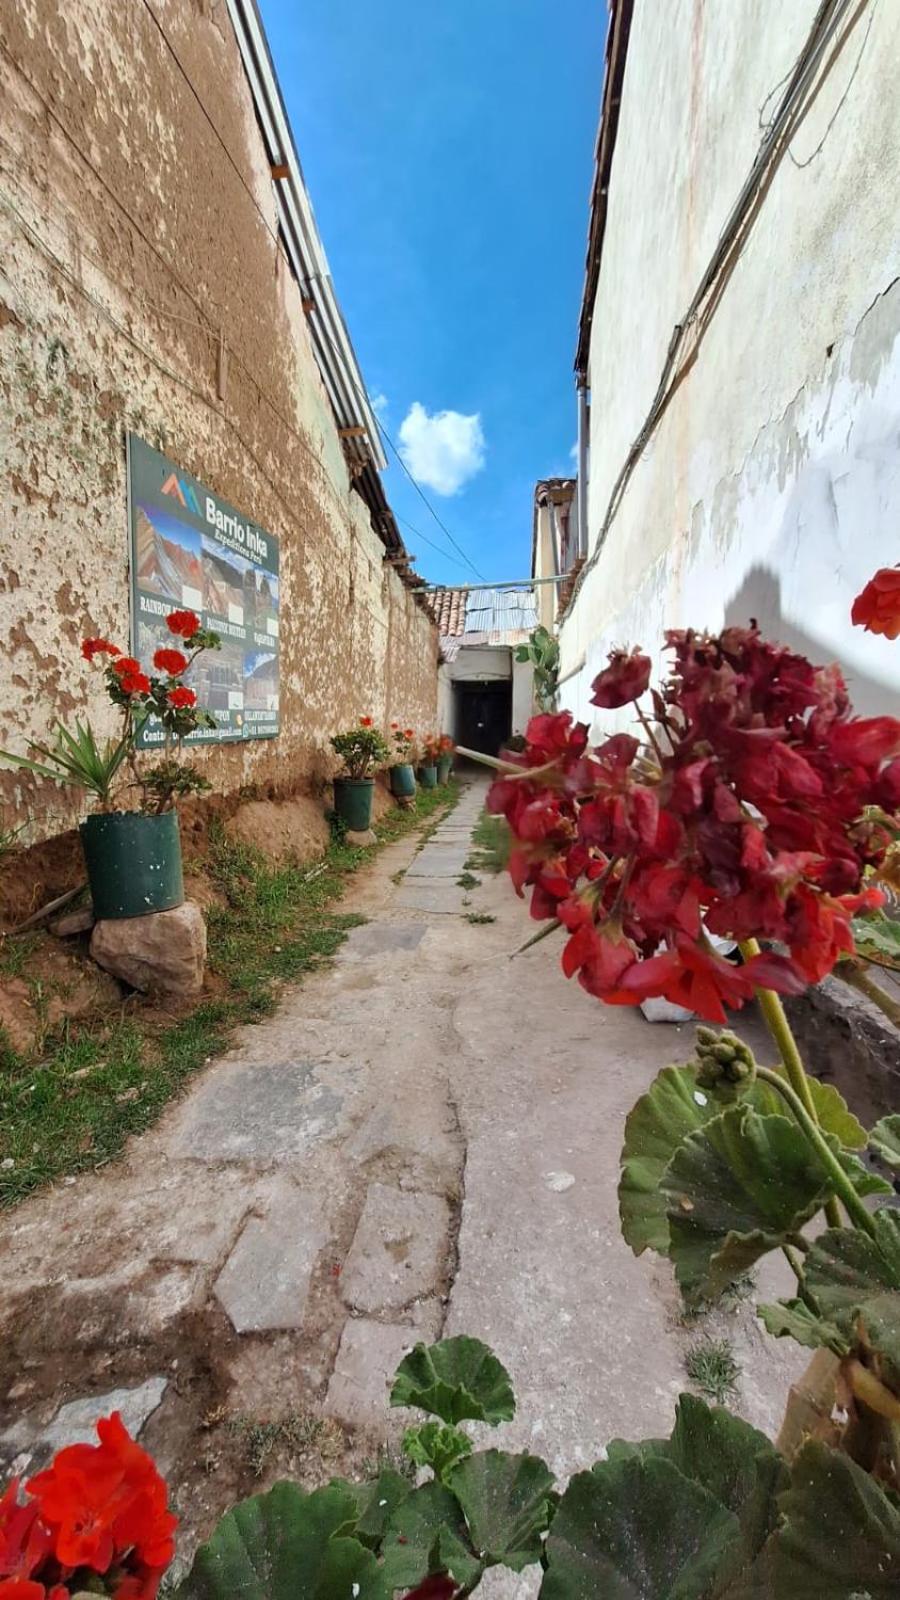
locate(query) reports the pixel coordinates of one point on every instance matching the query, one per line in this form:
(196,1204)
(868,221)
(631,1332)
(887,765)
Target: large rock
(163,953)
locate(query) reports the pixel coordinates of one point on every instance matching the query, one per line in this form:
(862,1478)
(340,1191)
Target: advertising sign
(191,551)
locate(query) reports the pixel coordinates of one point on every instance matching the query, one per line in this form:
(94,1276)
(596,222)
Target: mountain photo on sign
(167,556)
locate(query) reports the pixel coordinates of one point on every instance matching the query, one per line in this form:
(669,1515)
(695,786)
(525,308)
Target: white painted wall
(522,694)
(772,486)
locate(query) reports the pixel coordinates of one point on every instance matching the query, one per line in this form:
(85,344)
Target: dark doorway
(484,715)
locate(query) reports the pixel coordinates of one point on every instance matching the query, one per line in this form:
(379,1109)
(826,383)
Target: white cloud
(442,451)
(379,403)
(573,453)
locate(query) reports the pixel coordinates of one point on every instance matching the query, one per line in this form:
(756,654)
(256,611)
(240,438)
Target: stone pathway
(424,1138)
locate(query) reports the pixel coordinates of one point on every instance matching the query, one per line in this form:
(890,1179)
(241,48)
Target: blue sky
(447,146)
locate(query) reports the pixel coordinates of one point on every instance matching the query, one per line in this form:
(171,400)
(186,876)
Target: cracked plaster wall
(771,488)
(156,220)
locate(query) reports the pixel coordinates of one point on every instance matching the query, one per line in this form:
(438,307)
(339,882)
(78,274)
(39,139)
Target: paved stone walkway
(424,1138)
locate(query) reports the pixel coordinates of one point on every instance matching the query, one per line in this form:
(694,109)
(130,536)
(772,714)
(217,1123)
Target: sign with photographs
(191,551)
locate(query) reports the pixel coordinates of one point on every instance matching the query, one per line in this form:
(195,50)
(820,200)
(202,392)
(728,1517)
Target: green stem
(780,1029)
(839,1180)
(858,978)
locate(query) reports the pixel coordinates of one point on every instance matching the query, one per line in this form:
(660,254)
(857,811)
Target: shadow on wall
(760,596)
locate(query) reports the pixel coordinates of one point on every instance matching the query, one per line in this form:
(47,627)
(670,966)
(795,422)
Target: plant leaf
(376,1502)
(636,1527)
(877,938)
(426,1534)
(436,1445)
(285,1545)
(793,1319)
(657,1124)
(455,1379)
(884,1139)
(855,1280)
(737,1188)
(840,1538)
(506,1501)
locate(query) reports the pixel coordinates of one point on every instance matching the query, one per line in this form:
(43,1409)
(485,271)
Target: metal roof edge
(332,346)
(621,12)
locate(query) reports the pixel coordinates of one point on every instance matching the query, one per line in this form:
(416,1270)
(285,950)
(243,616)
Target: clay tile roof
(448,607)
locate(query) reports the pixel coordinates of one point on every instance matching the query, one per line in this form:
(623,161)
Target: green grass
(467,880)
(490,839)
(480,916)
(95,1084)
(711,1367)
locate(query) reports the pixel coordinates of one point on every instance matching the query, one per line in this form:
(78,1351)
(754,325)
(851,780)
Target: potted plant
(428,772)
(133,856)
(402,772)
(362,750)
(446,748)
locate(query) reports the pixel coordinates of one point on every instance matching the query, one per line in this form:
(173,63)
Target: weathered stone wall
(137,223)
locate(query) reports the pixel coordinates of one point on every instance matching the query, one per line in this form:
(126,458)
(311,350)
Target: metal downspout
(583,439)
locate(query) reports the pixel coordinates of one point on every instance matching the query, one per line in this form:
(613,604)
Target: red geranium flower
(181,697)
(625,679)
(409,733)
(438,1587)
(183,623)
(26,1589)
(24,1541)
(170,661)
(877,608)
(125,666)
(394,725)
(365,722)
(135,683)
(98,647)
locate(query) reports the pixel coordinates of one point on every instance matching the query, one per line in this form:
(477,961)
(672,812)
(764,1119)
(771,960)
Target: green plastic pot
(428,777)
(443,768)
(403,779)
(133,863)
(353,802)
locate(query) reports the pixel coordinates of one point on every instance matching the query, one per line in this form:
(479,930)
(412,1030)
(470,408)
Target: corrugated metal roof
(505,616)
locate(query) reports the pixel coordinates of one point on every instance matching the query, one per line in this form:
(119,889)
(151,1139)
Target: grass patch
(711,1367)
(491,844)
(94,1084)
(297,1433)
(480,916)
(466,880)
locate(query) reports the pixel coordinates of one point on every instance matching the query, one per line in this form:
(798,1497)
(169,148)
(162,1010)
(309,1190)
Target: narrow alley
(424,1138)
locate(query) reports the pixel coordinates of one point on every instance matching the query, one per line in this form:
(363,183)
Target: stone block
(381,938)
(439,861)
(255,1111)
(362,838)
(75,1422)
(265,1281)
(73,922)
(398,1250)
(368,1356)
(435,896)
(162,953)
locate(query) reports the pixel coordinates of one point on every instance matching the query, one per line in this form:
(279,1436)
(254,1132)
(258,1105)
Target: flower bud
(725,1064)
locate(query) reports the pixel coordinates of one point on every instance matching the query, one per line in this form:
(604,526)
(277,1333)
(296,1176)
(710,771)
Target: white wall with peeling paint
(771,488)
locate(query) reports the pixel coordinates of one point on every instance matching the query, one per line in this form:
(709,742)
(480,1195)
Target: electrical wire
(707,296)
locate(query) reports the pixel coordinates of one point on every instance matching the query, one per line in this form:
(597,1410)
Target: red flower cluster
(98,647)
(877,608)
(184,624)
(171,661)
(97,1509)
(181,697)
(366,722)
(752,812)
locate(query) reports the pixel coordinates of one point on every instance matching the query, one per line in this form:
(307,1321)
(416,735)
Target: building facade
(161,275)
(740,333)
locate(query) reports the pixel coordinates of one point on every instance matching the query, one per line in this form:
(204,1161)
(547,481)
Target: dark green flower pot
(403,779)
(428,777)
(353,802)
(444,766)
(133,863)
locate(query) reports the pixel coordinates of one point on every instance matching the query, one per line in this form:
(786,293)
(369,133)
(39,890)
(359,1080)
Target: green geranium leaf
(426,1534)
(737,1188)
(855,1280)
(877,938)
(286,1545)
(672,1108)
(840,1537)
(507,1502)
(793,1319)
(863,1179)
(637,1527)
(376,1503)
(436,1445)
(455,1379)
(884,1139)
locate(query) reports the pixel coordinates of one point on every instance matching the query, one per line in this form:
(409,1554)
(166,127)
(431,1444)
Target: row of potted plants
(365,750)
